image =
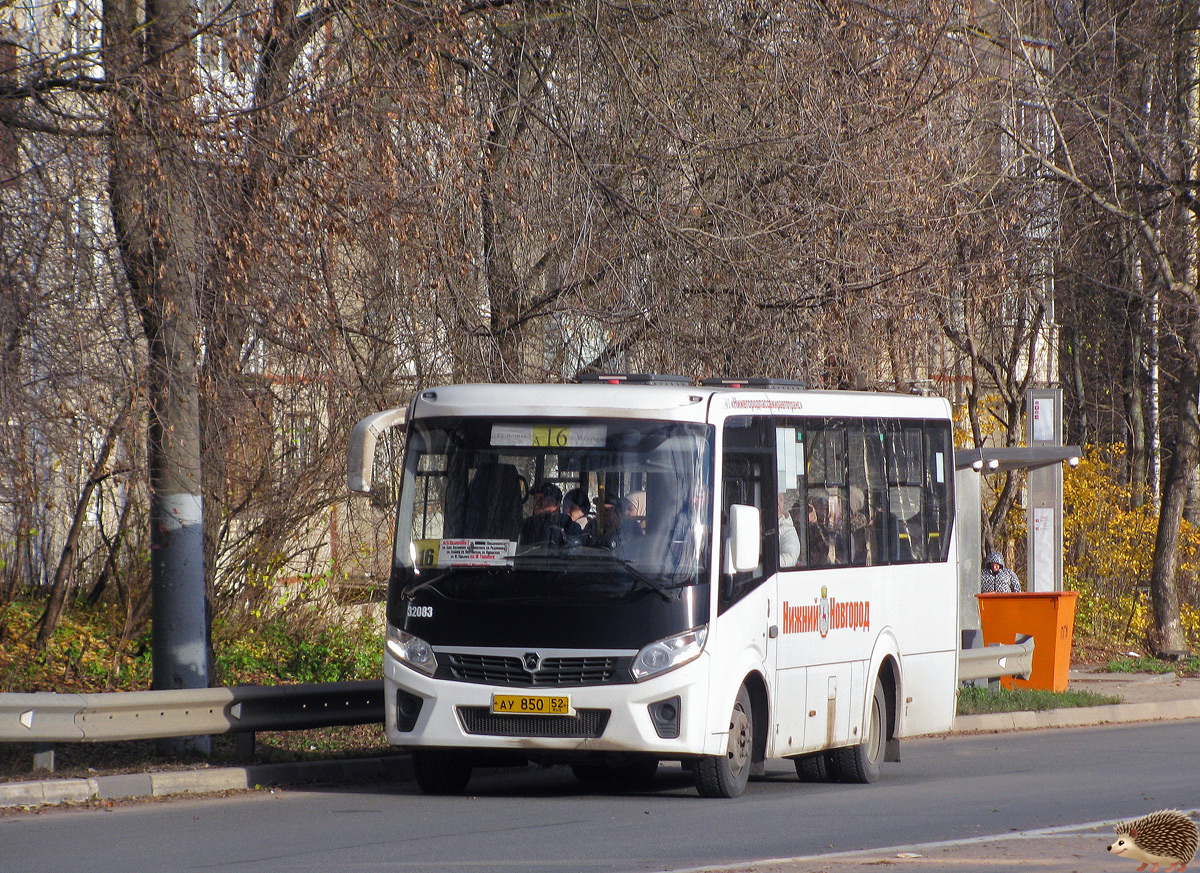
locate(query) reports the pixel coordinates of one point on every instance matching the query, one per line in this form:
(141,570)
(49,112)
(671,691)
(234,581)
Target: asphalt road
(951,788)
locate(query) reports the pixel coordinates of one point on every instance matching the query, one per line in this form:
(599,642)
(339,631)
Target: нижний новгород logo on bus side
(826,614)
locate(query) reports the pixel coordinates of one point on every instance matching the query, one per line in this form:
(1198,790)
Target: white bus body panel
(823,682)
(629,727)
(817,638)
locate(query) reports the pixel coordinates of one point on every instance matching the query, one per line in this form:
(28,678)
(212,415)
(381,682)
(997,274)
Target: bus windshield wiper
(413,587)
(646,579)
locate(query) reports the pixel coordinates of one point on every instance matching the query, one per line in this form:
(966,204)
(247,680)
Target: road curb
(1078,717)
(41,792)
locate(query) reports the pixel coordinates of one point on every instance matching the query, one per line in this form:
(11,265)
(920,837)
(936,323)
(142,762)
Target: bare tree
(317,210)
(1115,59)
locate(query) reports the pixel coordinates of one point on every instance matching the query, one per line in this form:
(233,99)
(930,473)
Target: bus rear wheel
(817,767)
(726,775)
(441,771)
(862,763)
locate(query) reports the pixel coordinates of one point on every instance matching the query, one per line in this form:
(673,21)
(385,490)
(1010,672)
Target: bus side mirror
(743,541)
(360,454)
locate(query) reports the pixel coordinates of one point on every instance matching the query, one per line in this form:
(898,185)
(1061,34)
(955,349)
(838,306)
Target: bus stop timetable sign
(463,553)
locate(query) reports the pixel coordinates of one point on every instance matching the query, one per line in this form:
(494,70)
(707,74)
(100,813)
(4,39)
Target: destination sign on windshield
(550,436)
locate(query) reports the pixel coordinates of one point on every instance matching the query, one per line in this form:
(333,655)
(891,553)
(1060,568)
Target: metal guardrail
(45,717)
(992,662)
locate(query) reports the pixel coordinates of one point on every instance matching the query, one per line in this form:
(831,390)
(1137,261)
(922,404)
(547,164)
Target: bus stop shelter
(1044,512)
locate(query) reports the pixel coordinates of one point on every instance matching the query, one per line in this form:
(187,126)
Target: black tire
(634,771)
(726,775)
(862,763)
(590,773)
(441,771)
(816,767)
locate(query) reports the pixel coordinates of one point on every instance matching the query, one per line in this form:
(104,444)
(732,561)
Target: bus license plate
(532,704)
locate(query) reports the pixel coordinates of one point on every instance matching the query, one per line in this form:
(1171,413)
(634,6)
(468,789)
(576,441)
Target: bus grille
(553,672)
(585,724)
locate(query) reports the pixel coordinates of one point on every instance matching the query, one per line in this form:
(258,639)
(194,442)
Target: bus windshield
(509,508)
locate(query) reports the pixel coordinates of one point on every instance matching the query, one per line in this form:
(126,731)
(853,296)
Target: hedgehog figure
(1164,837)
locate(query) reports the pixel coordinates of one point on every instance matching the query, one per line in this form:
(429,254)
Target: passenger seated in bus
(799,514)
(859,521)
(826,522)
(789,540)
(614,525)
(549,525)
(838,526)
(820,549)
(577,504)
(635,503)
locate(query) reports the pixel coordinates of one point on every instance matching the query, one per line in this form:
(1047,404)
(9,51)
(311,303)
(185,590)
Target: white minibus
(636,569)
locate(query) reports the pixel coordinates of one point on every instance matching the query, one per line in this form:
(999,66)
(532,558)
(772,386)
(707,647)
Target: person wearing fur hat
(996,578)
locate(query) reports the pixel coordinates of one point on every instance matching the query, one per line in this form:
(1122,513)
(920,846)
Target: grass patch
(88,653)
(297,648)
(1186,667)
(979,700)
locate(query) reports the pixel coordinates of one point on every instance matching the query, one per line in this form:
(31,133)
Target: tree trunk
(1071,337)
(151,179)
(1187,68)
(1154,402)
(58,590)
(1136,452)
(1164,590)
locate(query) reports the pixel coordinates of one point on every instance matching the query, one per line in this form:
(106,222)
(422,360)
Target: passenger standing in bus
(996,578)
(789,540)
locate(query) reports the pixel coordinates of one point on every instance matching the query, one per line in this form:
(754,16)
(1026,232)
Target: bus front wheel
(726,775)
(862,763)
(441,771)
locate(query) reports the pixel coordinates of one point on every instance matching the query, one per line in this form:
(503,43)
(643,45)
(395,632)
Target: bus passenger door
(786,662)
(787,649)
(827,724)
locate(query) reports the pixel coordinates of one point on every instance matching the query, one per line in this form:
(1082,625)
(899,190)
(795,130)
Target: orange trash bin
(1047,616)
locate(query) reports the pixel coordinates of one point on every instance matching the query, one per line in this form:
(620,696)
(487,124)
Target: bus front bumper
(664,715)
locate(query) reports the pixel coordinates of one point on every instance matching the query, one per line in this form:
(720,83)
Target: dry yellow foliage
(1109,552)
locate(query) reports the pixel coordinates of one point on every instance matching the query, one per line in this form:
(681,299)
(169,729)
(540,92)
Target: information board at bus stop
(1044,490)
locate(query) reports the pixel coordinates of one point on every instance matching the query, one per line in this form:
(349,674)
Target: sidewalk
(1051,850)
(1146,697)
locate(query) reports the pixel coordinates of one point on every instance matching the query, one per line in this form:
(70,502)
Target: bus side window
(938,488)
(906,481)
(828,505)
(868,493)
(789,468)
(747,462)
(744,485)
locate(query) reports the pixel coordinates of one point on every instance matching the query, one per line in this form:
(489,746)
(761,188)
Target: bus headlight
(669,653)
(411,651)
